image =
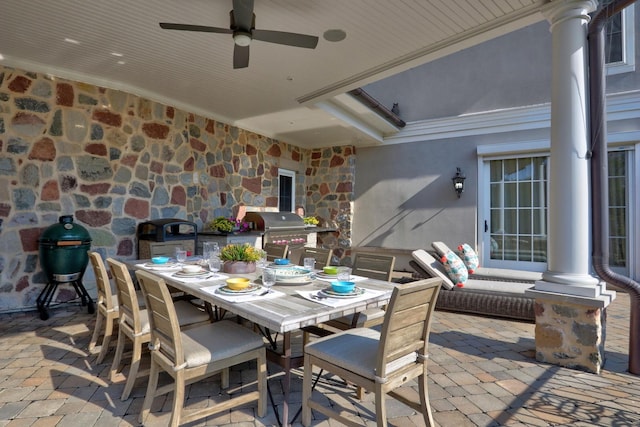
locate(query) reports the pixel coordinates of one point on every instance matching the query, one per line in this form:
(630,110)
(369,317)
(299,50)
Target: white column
(569,256)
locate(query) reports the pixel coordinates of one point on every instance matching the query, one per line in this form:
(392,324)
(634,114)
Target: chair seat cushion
(354,350)
(145,327)
(188,314)
(216,341)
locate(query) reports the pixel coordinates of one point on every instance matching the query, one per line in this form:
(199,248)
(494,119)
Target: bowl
(342,287)
(330,269)
(292,275)
(191,268)
(238,283)
(160,259)
(281,261)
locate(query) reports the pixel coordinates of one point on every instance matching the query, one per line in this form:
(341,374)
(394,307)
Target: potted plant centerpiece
(240,258)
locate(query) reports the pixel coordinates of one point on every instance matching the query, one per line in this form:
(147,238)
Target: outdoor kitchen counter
(252,237)
(321,229)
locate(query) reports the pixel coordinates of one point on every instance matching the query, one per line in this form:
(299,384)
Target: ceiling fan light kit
(241,38)
(242,28)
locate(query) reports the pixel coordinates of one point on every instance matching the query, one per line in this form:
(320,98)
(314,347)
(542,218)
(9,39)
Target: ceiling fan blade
(289,39)
(243,14)
(240,56)
(199,28)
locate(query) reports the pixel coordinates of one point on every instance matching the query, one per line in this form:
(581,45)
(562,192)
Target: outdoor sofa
(487,291)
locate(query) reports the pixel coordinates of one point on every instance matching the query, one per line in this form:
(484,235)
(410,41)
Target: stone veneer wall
(113,160)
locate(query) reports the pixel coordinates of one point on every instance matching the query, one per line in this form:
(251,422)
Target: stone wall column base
(570,331)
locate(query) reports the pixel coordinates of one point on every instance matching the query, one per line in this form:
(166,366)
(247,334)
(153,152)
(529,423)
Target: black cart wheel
(91,308)
(44,314)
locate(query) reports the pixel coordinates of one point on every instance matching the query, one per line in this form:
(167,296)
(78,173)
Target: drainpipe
(372,103)
(599,176)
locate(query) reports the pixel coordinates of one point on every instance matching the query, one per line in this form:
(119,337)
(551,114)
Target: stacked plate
(356,292)
(292,276)
(162,267)
(196,273)
(248,290)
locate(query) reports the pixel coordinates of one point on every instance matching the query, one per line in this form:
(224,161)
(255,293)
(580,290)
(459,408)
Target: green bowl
(330,269)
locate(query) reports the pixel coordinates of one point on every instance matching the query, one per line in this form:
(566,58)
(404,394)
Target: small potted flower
(222,225)
(240,258)
(311,221)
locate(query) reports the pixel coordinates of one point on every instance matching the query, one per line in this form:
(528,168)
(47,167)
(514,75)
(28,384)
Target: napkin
(242,297)
(208,277)
(339,302)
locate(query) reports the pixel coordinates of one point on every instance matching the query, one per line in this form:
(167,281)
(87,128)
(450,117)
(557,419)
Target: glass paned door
(517,222)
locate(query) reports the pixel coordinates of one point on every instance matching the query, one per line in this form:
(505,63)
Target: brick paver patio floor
(483,372)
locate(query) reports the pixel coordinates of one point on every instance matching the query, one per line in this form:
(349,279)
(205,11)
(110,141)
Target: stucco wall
(509,71)
(513,70)
(114,160)
(404,197)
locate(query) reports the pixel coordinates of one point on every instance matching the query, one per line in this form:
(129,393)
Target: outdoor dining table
(286,309)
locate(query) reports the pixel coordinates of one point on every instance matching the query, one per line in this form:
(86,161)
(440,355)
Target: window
(286,190)
(518,210)
(620,42)
(515,219)
(618,215)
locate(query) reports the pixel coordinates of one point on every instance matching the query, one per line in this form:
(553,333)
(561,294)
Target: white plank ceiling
(288,93)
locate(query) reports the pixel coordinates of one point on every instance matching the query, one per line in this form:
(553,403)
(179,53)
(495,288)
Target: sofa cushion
(432,266)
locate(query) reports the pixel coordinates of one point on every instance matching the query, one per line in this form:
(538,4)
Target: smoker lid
(275,220)
(65,230)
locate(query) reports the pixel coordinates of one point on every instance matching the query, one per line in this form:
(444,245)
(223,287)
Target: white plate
(252,288)
(324,275)
(274,265)
(328,292)
(331,277)
(197,274)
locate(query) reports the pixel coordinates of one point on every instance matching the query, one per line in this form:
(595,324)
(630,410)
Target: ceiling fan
(242,27)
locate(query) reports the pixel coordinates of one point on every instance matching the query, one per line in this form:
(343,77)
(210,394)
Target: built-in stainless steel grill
(283,228)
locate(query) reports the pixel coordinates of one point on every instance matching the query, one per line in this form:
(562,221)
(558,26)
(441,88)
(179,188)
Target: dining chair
(274,251)
(321,255)
(373,266)
(196,353)
(379,362)
(107,307)
(134,323)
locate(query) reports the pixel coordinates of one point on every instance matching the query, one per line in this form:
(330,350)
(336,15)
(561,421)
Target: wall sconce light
(458,182)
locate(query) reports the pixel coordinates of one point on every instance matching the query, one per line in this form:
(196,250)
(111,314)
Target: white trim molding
(620,106)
